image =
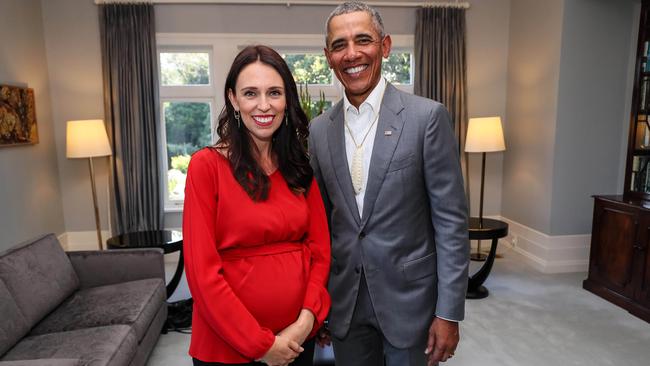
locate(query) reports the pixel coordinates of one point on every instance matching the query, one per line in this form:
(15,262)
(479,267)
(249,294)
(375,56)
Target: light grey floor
(529,319)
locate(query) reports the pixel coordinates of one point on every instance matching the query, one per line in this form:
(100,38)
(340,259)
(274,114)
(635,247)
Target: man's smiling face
(355,50)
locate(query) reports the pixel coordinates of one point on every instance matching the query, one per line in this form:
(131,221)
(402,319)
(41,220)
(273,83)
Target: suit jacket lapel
(336,143)
(390,119)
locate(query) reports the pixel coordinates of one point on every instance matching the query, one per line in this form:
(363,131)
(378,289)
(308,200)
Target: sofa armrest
(99,268)
(44,362)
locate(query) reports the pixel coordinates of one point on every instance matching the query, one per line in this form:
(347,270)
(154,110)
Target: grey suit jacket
(412,239)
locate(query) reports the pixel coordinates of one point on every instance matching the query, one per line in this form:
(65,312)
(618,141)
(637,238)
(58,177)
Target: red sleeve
(217,303)
(317,300)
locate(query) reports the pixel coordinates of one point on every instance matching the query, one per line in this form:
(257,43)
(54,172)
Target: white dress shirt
(359,121)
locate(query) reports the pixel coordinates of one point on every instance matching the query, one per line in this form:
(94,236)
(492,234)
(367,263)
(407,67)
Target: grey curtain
(131,104)
(441,66)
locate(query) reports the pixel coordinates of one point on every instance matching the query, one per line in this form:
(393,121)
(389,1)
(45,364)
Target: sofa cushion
(101,346)
(39,275)
(131,303)
(44,362)
(13,325)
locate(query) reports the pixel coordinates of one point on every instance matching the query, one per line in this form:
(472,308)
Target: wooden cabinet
(619,262)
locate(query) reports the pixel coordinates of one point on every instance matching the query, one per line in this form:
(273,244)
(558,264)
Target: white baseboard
(545,253)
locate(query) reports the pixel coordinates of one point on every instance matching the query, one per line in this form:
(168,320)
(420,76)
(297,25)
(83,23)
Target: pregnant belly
(271,287)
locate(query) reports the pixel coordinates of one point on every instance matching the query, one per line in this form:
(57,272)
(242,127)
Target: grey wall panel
(29,186)
(296,19)
(592,97)
(533,76)
(487,70)
(74,61)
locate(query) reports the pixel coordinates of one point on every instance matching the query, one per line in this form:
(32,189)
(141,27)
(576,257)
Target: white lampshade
(484,135)
(86,139)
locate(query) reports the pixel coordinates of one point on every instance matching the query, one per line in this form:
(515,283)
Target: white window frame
(402,49)
(222,49)
(177,205)
(333,92)
(183,93)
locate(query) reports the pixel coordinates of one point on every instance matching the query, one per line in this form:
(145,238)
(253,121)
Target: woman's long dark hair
(289,140)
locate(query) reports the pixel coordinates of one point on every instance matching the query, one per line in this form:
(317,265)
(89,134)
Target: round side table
(493,230)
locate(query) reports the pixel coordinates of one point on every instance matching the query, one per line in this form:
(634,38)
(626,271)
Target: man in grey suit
(388,169)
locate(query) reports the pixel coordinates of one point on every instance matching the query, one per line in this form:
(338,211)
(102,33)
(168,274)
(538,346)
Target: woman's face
(260,97)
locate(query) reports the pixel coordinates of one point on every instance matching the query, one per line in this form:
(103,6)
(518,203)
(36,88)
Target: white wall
(29,184)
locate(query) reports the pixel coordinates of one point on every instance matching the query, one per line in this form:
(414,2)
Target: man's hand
(443,339)
(323,337)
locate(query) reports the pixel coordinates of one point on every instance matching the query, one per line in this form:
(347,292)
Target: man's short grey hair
(351,7)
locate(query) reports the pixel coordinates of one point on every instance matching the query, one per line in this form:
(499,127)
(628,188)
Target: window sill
(173,209)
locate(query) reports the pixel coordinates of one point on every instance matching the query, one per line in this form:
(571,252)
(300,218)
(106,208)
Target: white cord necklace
(357,156)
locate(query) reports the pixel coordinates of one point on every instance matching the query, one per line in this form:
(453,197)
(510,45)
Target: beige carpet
(529,319)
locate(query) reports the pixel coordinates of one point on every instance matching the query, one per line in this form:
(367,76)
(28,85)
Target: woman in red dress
(256,242)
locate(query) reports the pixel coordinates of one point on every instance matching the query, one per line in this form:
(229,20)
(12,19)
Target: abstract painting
(17,116)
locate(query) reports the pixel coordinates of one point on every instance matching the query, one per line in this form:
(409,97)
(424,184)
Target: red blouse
(251,266)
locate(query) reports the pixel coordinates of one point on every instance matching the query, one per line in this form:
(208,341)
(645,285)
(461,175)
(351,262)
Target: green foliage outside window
(181,162)
(188,129)
(312,108)
(184,68)
(397,68)
(309,68)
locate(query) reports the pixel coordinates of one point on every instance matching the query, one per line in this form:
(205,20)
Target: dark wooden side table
(168,240)
(491,229)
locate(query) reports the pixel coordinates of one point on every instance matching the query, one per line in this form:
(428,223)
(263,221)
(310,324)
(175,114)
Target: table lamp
(483,135)
(88,139)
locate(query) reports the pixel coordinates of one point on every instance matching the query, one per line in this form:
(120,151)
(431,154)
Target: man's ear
(386,44)
(327,56)
(233,100)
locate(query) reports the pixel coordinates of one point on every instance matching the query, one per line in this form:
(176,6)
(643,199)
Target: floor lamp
(483,135)
(88,139)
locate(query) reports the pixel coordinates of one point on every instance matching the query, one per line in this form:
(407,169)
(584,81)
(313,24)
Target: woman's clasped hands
(286,346)
(283,351)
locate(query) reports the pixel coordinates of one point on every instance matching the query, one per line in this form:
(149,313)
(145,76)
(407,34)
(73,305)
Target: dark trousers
(306,358)
(365,344)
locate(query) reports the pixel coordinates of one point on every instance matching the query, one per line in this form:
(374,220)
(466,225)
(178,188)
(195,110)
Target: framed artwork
(17,116)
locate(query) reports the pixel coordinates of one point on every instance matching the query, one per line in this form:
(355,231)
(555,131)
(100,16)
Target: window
(316,81)
(184,68)
(309,68)
(397,68)
(187,129)
(193,70)
(187,99)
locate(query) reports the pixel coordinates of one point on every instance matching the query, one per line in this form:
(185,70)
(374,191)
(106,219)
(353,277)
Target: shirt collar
(373,100)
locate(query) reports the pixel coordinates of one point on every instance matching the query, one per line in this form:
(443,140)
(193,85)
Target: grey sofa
(79,308)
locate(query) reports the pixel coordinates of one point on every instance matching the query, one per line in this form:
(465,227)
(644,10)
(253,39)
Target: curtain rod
(288,3)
